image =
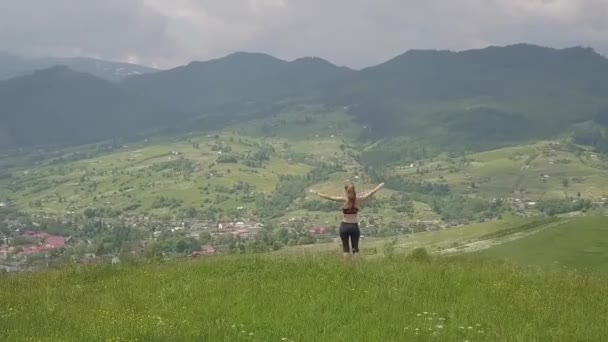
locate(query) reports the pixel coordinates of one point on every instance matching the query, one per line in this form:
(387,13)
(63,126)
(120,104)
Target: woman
(349,228)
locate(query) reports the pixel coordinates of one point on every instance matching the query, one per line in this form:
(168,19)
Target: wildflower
(418,315)
(439,326)
(470,327)
(284,339)
(243,331)
(434,313)
(460,327)
(478,325)
(441,319)
(250,334)
(426,313)
(430,318)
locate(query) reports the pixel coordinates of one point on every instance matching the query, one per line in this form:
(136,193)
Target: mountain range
(14,66)
(481,97)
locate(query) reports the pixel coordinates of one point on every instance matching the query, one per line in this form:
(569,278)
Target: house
(31,250)
(7,269)
(55,242)
(318,230)
(204,251)
(244,233)
(37,234)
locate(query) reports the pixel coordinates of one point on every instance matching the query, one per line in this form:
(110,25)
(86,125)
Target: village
(26,246)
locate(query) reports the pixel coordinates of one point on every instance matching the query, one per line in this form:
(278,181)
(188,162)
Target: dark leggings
(350,230)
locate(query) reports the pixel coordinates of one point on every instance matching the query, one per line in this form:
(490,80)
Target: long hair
(351,195)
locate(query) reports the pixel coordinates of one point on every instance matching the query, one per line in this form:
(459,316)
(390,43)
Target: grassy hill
(535,171)
(580,243)
(135,178)
(304,299)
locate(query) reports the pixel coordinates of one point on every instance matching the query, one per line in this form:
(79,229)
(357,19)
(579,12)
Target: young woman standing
(349,227)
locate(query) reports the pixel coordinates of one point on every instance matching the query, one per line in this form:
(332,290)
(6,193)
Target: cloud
(350,32)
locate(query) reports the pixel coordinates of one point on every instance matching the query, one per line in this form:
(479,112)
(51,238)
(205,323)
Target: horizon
(253,52)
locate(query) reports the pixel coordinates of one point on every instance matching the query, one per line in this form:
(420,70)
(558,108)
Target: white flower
(418,315)
(426,313)
(439,326)
(470,327)
(441,319)
(284,339)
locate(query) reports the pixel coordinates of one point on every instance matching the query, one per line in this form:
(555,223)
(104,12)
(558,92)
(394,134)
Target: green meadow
(311,298)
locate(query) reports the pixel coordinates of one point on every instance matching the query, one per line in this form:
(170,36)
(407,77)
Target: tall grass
(306,299)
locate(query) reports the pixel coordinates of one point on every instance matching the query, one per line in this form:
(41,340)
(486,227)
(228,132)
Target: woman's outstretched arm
(372,192)
(327,197)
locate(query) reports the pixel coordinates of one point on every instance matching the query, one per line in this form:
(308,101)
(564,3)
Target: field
(434,241)
(138,174)
(581,243)
(136,177)
(535,171)
(304,299)
(307,293)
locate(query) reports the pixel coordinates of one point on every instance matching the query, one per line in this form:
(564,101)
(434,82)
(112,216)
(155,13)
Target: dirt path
(484,244)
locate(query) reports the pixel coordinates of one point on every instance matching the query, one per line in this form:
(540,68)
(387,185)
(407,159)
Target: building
(318,230)
(245,233)
(55,242)
(204,251)
(37,234)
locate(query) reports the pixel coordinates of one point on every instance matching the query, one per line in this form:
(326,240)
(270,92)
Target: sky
(355,33)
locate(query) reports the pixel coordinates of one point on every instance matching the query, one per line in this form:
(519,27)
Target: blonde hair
(351,195)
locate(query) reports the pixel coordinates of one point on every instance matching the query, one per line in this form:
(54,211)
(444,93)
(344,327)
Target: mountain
(477,96)
(13,66)
(474,99)
(240,79)
(109,71)
(62,106)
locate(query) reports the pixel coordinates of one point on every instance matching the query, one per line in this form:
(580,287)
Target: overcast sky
(165,33)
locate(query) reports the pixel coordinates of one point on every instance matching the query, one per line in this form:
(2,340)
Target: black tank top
(350,210)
